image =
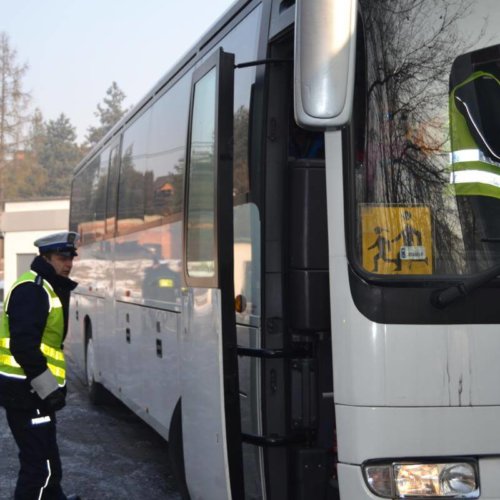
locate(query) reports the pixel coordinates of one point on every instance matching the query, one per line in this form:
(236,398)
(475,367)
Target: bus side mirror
(325,50)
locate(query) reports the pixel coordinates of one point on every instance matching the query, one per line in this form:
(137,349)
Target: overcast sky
(75,49)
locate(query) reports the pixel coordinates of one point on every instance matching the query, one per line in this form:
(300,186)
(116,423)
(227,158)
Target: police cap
(63,243)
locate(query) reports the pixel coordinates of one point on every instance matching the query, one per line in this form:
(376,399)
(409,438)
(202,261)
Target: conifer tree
(14,103)
(109,112)
(25,178)
(59,155)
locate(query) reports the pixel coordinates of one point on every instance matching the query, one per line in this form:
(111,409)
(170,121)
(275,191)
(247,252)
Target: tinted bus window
(98,195)
(201,209)
(79,203)
(131,206)
(83,209)
(151,179)
(111,199)
(166,150)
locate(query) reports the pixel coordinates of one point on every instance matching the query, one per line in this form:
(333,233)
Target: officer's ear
(47,256)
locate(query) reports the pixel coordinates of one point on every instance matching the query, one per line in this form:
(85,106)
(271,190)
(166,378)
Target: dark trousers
(40,474)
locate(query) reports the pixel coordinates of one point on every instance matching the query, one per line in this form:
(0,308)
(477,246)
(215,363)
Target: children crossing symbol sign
(396,239)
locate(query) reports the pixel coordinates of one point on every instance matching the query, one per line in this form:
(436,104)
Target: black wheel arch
(176,451)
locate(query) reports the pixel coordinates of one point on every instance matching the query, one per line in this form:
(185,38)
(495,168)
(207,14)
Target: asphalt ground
(107,452)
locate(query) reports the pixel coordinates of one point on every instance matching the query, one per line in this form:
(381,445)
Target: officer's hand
(54,401)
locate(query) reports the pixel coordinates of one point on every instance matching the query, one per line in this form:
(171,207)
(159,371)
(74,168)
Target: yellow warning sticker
(396,239)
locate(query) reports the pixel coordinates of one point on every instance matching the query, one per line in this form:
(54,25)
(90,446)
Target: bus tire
(176,452)
(96,391)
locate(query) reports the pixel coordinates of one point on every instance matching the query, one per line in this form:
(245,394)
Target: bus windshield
(426,178)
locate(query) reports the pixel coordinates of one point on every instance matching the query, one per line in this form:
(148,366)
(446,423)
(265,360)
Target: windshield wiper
(442,298)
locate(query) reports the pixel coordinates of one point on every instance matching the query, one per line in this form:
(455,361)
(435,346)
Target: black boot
(73,497)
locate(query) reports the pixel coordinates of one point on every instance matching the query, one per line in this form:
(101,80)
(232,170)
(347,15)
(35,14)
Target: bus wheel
(97,394)
(176,452)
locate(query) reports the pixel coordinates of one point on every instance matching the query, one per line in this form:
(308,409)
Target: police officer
(32,365)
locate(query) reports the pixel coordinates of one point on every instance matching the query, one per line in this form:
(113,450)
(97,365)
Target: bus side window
(78,202)
(166,152)
(99,192)
(200,238)
(131,206)
(112,191)
(88,226)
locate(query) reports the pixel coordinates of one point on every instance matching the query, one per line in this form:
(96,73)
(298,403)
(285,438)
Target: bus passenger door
(209,365)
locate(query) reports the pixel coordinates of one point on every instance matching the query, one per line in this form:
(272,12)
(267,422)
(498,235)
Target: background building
(21,223)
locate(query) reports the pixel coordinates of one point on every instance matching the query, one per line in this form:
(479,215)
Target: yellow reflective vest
(52,336)
(473,171)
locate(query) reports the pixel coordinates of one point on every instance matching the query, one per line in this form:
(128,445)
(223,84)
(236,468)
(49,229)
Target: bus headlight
(409,479)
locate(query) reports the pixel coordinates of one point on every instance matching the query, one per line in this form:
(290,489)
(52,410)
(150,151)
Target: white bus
(290,249)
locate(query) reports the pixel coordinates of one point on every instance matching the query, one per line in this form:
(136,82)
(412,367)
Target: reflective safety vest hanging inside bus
(475,147)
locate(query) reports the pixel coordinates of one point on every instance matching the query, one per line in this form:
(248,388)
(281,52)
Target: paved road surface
(107,452)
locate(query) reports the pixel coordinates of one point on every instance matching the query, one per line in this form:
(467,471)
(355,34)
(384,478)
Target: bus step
(271,353)
(272,441)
